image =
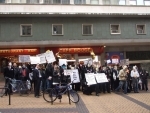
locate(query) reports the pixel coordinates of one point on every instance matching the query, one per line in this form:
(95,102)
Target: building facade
(72,27)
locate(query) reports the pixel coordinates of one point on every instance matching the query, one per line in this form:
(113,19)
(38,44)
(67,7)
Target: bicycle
(23,88)
(51,94)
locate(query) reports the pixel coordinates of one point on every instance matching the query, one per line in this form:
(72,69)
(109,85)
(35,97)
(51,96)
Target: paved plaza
(105,103)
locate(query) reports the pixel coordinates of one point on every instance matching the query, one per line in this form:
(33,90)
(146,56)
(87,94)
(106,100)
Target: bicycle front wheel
(2,92)
(50,95)
(74,97)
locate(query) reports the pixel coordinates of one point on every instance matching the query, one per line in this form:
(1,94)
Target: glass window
(146,2)
(106,2)
(115,29)
(87,29)
(57,29)
(132,2)
(141,29)
(26,30)
(94,1)
(140,2)
(2,1)
(79,1)
(122,2)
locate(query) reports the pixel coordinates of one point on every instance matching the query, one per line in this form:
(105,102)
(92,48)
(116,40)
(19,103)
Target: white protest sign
(62,61)
(115,61)
(24,58)
(126,62)
(34,59)
(90,61)
(90,78)
(101,78)
(67,72)
(75,76)
(42,58)
(50,57)
(108,61)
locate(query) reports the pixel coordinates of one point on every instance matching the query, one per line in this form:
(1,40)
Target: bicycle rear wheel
(23,91)
(74,97)
(50,95)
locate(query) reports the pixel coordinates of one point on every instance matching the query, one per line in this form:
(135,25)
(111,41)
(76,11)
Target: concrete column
(71,1)
(127,2)
(124,54)
(76,57)
(42,50)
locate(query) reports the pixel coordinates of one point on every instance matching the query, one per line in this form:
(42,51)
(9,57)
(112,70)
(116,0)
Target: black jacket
(9,72)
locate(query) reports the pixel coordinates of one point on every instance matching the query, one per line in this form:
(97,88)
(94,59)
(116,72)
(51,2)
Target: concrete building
(75,28)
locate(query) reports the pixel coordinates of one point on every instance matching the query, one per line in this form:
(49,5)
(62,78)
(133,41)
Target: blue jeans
(49,83)
(121,83)
(135,84)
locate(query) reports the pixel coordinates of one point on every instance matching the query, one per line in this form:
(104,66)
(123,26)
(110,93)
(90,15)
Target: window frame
(144,29)
(119,29)
(22,29)
(57,34)
(91,30)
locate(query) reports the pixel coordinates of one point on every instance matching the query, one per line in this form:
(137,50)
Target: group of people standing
(43,76)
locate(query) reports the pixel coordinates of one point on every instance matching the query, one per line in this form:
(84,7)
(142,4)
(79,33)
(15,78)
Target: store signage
(18,51)
(75,50)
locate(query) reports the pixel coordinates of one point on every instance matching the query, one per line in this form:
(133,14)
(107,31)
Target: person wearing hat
(123,79)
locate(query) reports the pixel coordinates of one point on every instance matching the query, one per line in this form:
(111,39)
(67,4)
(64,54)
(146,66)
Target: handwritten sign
(35,60)
(42,58)
(50,57)
(67,72)
(90,78)
(75,76)
(101,77)
(24,58)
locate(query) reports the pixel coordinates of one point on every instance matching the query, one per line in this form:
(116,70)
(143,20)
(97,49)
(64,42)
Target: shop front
(76,53)
(12,55)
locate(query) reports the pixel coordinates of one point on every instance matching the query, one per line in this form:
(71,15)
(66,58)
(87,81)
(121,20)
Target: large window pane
(2,1)
(140,2)
(122,2)
(94,1)
(132,2)
(79,1)
(147,2)
(106,2)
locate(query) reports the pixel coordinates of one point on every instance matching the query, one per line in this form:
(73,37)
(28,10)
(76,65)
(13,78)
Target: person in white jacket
(135,76)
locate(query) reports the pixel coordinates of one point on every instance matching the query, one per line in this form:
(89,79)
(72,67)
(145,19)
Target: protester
(37,80)
(123,79)
(135,76)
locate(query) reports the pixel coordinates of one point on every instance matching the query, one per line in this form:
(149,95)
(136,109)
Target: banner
(75,76)
(50,57)
(24,58)
(90,78)
(124,62)
(101,78)
(35,60)
(42,58)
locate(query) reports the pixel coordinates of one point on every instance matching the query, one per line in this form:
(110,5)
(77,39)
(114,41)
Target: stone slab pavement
(105,103)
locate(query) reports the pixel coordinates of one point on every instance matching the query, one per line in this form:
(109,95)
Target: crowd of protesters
(124,78)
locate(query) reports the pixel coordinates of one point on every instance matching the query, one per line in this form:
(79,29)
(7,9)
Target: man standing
(135,76)
(37,80)
(9,72)
(123,79)
(144,75)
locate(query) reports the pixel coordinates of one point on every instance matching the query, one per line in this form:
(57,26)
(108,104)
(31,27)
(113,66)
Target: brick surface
(105,103)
